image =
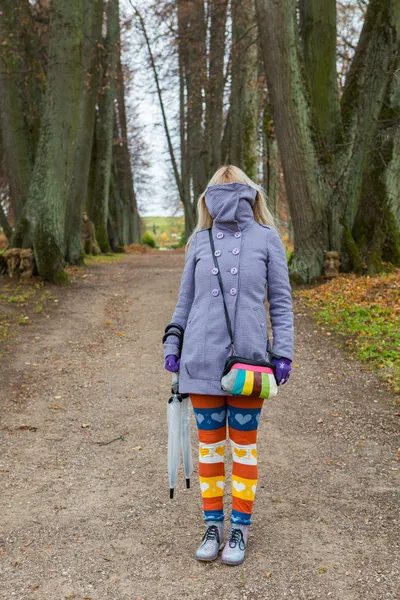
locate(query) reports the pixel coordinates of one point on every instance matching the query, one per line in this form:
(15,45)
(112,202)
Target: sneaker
(235,548)
(211,542)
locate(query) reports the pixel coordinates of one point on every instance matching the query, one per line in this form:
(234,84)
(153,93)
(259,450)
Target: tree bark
(318,33)
(244,98)
(270,160)
(364,93)
(125,168)
(215,86)
(105,129)
(195,72)
(306,189)
(48,193)
(16,141)
(92,26)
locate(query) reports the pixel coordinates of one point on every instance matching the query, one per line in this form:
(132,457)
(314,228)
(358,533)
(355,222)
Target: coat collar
(230,204)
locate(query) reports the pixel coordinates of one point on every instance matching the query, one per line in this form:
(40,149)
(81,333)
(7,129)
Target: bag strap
(227,317)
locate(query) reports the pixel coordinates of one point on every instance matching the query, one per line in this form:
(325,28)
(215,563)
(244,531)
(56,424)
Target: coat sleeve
(279,297)
(185,300)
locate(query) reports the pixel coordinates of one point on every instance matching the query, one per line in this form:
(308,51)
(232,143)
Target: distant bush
(149,240)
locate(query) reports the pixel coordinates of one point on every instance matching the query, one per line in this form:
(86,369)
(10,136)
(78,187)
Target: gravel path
(89,521)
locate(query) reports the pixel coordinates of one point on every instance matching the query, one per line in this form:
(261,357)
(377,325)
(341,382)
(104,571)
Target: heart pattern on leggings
(218,416)
(242,419)
(199,419)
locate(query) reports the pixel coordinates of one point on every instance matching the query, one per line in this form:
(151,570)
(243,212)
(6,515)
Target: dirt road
(89,521)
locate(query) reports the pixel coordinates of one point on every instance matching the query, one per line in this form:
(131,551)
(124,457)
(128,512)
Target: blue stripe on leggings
(239,518)
(213,515)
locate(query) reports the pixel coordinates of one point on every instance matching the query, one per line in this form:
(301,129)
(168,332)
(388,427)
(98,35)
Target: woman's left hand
(283,367)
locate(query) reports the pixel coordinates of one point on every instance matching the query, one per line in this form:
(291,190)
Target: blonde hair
(232,174)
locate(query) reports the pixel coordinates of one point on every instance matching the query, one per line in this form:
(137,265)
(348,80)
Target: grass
(366,312)
(17,301)
(166,231)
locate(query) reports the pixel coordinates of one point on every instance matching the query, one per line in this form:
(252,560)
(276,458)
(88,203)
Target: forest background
(304,96)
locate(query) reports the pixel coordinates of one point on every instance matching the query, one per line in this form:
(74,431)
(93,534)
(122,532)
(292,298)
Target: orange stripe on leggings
(212,436)
(245,471)
(244,402)
(201,401)
(212,470)
(243,438)
(213,503)
(243,506)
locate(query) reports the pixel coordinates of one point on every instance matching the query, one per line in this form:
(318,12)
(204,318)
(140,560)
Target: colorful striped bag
(241,376)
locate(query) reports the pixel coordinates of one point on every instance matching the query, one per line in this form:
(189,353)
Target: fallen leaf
(85,425)
(268,575)
(320,421)
(56,407)
(26,427)
(137,448)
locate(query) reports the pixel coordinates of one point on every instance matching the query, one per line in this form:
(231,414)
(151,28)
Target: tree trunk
(270,160)
(105,129)
(376,230)
(244,99)
(48,193)
(16,142)
(195,71)
(125,168)
(318,32)
(215,86)
(93,22)
(363,96)
(305,187)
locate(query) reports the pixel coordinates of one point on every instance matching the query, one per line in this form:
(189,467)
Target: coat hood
(230,204)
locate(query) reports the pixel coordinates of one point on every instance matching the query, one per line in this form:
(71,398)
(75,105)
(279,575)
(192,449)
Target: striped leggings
(243,414)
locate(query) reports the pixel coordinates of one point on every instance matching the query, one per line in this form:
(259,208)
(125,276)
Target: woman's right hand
(172,363)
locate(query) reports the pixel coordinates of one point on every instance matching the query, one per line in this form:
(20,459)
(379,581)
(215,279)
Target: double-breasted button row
(233,292)
(215,271)
(215,292)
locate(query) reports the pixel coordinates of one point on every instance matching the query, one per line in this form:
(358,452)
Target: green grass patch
(166,231)
(366,312)
(17,302)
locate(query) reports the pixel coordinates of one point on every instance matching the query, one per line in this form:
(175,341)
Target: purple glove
(283,366)
(172,363)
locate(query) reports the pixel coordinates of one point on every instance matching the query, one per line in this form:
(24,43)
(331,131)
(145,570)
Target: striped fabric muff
(249,380)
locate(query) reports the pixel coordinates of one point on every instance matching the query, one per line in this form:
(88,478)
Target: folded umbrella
(185,440)
(178,417)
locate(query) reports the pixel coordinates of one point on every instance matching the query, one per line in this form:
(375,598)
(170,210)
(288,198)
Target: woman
(251,258)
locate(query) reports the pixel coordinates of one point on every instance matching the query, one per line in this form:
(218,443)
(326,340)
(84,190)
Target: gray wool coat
(252,260)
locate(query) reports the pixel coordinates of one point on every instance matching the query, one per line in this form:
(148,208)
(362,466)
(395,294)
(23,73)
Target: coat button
(215,271)
(233,292)
(238,234)
(220,235)
(235,251)
(234,271)
(215,292)
(217,253)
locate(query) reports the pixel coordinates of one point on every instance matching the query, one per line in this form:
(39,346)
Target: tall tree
(90,81)
(215,86)
(124,165)
(324,182)
(16,139)
(49,189)
(244,97)
(105,128)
